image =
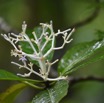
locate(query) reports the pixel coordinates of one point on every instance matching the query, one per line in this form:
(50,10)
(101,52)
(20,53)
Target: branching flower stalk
(38,55)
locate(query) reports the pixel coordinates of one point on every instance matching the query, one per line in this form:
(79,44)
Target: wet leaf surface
(77,54)
(53,94)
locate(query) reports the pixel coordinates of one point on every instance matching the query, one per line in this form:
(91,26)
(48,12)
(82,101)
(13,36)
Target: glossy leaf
(89,61)
(5,75)
(52,95)
(10,94)
(77,54)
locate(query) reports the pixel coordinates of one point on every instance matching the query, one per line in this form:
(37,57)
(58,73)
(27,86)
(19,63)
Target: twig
(90,18)
(73,80)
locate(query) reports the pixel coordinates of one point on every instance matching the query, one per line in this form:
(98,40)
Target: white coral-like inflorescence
(38,55)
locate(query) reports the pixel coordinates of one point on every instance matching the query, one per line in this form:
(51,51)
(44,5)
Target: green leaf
(52,95)
(5,75)
(91,60)
(25,45)
(100,34)
(10,94)
(77,54)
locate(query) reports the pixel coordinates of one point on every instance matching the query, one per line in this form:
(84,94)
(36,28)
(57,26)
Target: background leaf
(10,94)
(52,95)
(77,54)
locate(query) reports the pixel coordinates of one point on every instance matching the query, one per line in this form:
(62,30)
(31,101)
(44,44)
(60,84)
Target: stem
(36,73)
(56,79)
(74,80)
(32,85)
(31,44)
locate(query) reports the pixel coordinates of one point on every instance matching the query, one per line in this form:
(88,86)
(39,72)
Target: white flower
(38,55)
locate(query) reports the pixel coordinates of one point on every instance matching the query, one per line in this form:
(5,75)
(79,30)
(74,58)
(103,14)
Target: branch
(73,80)
(92,17)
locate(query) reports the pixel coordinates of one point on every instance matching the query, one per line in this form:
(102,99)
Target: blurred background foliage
(86,16)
